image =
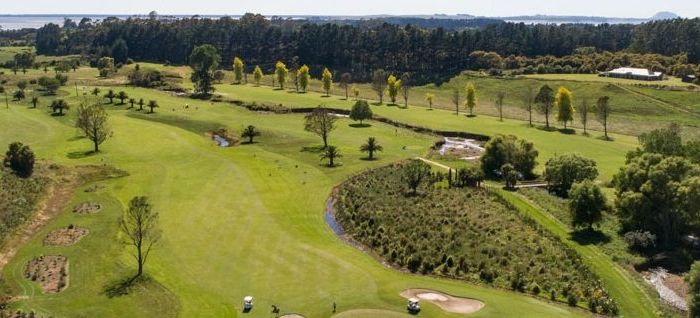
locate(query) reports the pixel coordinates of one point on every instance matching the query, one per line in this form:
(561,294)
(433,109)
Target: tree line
(431,55)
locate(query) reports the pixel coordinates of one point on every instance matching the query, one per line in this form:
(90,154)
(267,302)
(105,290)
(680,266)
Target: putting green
(240,221)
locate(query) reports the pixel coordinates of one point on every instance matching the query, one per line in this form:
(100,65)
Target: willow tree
(471,98)
(393,86)
(327,79)
(565,106)
(238,69)
(258,75)
(303,77)
(281,72)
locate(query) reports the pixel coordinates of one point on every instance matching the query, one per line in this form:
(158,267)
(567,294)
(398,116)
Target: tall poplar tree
(238,69)
(327,79)
(565,106)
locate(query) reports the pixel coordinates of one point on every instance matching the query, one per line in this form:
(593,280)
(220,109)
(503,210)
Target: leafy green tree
(666,141)
(471,98)
(320,122)
(141,103)
(22,85)
(122,96)
(132,101)
(370,147)
(565,106)
(18,95)
(92,120)
(414,172)
(120,51)
(49,85)
(250,132)
(468,177)
(501,149)
(140,227)
(545,102)
(327,79)
(659,194)
(331,153)
(20,159)
(586,204)
(562,171)
(152,105)
(430,97)
(96,91)
(58,106)
(62,79)
(510,175)
(361,111)
(111,96)
(393,86)
(303,77)
(379,84)
(106,66)
(219,76)
(204,60)
(693,279)
(603,110)
(34,101)
(281,72)
(345,80)
(238,69)
(258,75)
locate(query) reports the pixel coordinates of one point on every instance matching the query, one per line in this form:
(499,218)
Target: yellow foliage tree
(565,105)
(238,69)
(471,98)
(281,72)
(303,77)
(327,79)
(393,86)
(258,75)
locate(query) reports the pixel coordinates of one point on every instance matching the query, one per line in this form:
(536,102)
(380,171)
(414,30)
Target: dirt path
(437,164)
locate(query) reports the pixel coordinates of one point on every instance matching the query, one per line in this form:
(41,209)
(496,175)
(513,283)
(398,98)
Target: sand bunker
(65,236)
(370,313)
(87,208)
(292,316)
(51,272)
(446,302)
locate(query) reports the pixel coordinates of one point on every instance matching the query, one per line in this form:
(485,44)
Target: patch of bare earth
(63,182)
(87,208)
(51,272)
(65,236)
(446,302)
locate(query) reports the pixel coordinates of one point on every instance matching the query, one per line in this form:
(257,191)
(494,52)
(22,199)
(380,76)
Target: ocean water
(16,22)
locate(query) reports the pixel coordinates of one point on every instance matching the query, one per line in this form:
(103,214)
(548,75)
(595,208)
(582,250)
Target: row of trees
(432,55)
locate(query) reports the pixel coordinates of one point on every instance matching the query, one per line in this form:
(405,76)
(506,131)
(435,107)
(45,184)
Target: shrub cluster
(464,233)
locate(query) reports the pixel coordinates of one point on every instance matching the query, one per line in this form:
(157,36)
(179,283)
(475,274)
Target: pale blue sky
(610,8)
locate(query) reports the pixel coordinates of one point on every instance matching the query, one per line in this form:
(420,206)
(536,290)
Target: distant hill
(665,15)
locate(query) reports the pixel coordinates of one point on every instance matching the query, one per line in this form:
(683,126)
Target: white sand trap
(292,316)
(371,313)
(446,302)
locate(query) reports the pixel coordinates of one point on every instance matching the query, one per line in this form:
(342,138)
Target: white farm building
(634,73)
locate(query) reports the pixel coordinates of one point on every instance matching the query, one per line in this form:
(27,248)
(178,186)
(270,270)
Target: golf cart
(247,303)
(413,305)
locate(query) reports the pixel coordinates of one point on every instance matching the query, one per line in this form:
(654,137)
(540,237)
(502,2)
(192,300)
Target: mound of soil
(446,302)
(65,236)
(87,208)
(51,272)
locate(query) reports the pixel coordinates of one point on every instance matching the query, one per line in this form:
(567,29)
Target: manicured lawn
(610,156)
(240,221)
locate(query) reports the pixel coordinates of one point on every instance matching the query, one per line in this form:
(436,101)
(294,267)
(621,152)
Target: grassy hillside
(241,221)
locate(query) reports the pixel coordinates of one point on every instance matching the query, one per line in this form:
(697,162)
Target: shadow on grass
(567,131)
(470,115)
(123,286)
(368,159)
(545,128)
(589,237)
(605,138)
(376,104)
(360,125)
(80,154)
(76,138)
(312,149)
